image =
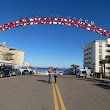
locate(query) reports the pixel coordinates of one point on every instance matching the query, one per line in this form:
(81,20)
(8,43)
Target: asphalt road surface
(70,93)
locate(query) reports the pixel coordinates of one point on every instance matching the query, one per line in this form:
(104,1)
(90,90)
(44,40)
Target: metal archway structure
(59,21)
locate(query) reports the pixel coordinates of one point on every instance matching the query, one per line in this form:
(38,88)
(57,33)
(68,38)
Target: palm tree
(93,66)
(108,58)
(74,67)
(8,56)
(103,62)
(30,67)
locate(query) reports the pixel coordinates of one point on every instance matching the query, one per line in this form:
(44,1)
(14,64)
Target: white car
(81,74)
(61,72)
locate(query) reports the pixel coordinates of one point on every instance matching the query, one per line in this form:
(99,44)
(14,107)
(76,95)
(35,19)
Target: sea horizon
(46,68)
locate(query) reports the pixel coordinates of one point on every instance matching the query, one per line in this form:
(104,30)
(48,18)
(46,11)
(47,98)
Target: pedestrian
(49,74)
(56,72)
(92,74)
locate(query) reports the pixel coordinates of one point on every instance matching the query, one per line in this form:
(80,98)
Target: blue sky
(53,45)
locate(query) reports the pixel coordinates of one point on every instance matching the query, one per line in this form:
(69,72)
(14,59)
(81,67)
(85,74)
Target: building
(3,50)
(17,56)
(95,52)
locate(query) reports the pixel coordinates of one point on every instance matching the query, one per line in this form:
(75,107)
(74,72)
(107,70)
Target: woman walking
(56,72)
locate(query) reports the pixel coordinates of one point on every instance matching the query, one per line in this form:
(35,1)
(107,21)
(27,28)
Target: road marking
(56,92)
(60,98)
(55,96)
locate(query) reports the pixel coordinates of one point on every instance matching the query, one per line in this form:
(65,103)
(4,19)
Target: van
(81,73)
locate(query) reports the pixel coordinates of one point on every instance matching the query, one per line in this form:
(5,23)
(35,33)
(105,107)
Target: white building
(96,51)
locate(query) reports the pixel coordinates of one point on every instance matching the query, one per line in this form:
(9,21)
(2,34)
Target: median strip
(60,98)
(55,93)
(55,96)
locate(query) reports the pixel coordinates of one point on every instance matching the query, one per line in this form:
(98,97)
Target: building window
(100,64)
(100,50)
(100,57)
(100,69)
(100,44)
(108,45)
(108,50)
(107,67)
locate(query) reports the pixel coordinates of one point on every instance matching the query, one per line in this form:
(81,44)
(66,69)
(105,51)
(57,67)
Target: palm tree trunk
(104,70)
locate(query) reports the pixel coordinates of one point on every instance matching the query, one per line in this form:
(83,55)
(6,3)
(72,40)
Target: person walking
(56,72)
(49,74)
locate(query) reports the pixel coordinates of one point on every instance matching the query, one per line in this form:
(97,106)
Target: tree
(30,67)
(103,62)
(74,67)
(93,69)
(8,56)
(108,58)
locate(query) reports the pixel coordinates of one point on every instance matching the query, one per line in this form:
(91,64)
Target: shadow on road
(99,83)
(102,85)
(44,81)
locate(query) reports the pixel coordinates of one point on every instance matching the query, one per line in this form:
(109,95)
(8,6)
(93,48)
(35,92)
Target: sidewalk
(102,79)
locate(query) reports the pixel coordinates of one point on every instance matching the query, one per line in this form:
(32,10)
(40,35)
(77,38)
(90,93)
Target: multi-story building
(17,55)
(95,52)
(3,50)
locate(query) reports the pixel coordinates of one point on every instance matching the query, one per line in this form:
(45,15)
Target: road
(70,93)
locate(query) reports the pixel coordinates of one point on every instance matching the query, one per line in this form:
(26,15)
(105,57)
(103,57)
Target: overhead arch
(59,21)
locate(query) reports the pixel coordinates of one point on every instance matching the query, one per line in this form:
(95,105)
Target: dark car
(68,71)
(5,71)
(16,72)
(31,72)
(24,72)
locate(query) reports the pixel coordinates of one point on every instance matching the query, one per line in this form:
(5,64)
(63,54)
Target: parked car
(60,72)
(31,72)
(24,72)
(5,71)
(68,71)
(16,72)
(81,73)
